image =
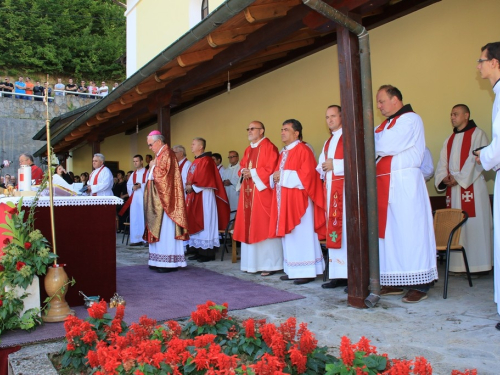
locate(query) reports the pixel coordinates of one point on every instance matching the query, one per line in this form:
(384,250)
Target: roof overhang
(247,38)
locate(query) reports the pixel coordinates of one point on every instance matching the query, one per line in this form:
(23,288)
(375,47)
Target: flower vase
(59,309)
(33,299)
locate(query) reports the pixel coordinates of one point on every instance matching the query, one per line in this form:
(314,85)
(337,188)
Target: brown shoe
(414,296)
(390,290)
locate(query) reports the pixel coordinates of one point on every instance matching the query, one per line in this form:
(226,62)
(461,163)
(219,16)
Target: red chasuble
(293,202)
(466,195)
(36,174)
(254,206)
(203,173)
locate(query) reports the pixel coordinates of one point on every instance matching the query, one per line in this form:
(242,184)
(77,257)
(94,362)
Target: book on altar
(60,191)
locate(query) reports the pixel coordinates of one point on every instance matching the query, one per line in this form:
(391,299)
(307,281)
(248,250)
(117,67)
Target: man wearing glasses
(259,253)
(7,87)
(489,68)
(164,209)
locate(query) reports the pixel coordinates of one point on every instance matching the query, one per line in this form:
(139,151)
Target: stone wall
(20,120)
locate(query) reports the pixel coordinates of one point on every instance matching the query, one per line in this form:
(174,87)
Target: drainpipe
(367,99)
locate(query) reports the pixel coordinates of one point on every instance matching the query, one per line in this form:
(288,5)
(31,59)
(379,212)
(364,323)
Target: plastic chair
(226,233)
(447,226)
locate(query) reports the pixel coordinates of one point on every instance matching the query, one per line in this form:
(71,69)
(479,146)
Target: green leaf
(376,362)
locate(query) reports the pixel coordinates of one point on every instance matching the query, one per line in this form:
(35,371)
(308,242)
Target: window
(204,9)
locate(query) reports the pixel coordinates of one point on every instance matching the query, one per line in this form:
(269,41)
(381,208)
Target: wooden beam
(195,58)
(118,107)
(105,115)
(226,37)
(267,35)
(268,12)
(147,87)
(80,132)
(354,167)
(94,121)
(131,97)
(284,47)
(170,74)
(164,123)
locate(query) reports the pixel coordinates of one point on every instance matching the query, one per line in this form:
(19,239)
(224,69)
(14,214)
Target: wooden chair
(126,232)
(447,226)
(226,233)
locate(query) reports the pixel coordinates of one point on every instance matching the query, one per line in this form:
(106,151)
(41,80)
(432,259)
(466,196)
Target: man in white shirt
(101,179)
(135,189)
(230,180)
(103,90)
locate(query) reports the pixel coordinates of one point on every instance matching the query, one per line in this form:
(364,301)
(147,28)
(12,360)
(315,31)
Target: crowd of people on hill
(27,90)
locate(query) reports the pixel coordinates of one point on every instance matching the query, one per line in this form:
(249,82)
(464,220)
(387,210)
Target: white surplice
(427,166)
(104,186)
(476,235)
(167,252)
(302,255)
(337,266)
(137,205)
(208,238)
(408,251)
(231,174)
(490,159)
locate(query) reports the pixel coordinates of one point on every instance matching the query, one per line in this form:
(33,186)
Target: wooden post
(164,122)
(354,167)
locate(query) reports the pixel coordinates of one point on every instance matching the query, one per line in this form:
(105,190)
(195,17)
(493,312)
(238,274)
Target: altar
(85,230)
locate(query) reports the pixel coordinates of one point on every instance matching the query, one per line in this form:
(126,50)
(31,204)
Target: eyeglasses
(252,129)
(483,60)
(151,144)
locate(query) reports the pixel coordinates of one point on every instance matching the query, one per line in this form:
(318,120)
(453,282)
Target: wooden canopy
(242,38)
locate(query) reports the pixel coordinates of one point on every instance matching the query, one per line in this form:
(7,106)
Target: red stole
(249,188)
(95,178)
(466,195)
(335,212)
(129,200)
(383,171)
(182,164)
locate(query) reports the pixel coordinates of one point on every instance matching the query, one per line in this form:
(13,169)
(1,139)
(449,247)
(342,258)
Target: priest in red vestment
(164,209)
(258,251)
(206,203)
(298,207)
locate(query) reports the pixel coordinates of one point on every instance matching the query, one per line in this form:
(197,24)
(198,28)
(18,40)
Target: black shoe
(191,250)
(153,268)
(136,244)
(498,326)
(165,270)
(195,257)
(346,290)
(204,259)
(145,244)
(285,278)
(334,283)
(303,281)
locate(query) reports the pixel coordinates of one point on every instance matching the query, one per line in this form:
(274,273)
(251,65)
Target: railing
(62,93)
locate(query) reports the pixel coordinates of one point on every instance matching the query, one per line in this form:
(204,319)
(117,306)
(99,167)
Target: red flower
(2,268)
(20,265)
(363,345)
(27,245)
(97,310)
(298,359)
(346,352)
(421,366)
(1,303)
(13,211)
(307,342)
(249,328)
(6,241)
